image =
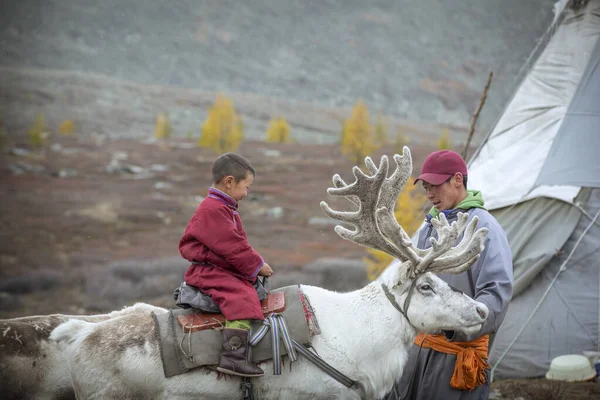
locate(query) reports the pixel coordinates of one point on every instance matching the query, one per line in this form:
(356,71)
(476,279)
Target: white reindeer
(365,334)
(34,367)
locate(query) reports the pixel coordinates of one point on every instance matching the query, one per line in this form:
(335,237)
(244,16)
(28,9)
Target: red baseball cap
(441,165)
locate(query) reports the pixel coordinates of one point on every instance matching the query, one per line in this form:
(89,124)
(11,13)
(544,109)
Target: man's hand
(265,270)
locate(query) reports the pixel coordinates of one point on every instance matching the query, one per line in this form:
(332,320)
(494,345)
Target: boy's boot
(235,355)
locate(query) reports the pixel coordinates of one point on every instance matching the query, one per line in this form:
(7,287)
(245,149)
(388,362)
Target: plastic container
(572,368)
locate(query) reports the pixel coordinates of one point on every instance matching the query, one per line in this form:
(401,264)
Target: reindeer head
(435,305)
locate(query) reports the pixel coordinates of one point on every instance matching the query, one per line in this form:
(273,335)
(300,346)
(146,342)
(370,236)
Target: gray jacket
(492,274)
(427,373)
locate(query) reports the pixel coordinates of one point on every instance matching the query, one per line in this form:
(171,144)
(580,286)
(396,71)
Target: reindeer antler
(366,193)
(376,226)
(459,258)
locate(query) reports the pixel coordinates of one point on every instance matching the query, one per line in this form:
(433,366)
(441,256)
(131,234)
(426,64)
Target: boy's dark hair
(231,164)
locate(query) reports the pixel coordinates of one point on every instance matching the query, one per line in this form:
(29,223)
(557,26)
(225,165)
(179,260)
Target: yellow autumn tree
(278,131)
(409,214)
(444,140)
(222,130)
(357,134)
(163,127)
(67,127)
(38,135)
(381,136)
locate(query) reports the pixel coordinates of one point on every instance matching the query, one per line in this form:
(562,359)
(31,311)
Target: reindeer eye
(425,287)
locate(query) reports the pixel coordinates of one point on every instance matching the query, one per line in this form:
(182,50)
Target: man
(437,364)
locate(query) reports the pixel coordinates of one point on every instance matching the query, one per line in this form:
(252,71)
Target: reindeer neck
(364,329)
(366,310)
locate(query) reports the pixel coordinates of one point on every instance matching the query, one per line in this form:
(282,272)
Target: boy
(224,265)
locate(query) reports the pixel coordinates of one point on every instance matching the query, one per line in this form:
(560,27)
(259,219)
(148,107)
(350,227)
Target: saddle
(188,296)
(189,338)
(199,320)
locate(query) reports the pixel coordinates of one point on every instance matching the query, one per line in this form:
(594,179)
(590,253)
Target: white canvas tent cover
(539,172)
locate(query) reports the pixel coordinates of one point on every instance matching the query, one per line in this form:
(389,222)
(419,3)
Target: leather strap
(392,300)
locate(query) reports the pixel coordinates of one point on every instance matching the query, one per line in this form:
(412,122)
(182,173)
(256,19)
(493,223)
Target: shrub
(222,130)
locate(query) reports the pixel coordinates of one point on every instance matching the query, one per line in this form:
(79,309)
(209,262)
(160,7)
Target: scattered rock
(271,153)
(120,155)
(273,213)
(140,175)
(117,168)
(18,151)
(162,185)
(21,168)
(16,169)
(56,147)
(65,173)
(159,167)
(133,169)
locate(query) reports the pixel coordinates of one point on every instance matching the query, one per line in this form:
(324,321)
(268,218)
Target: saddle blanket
(185,349)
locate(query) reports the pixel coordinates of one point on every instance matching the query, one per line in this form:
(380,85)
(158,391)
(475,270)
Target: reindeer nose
(482,312)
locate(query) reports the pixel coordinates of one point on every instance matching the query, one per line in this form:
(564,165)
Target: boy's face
(238,190)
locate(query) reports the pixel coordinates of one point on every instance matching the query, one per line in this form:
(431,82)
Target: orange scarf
(469,370)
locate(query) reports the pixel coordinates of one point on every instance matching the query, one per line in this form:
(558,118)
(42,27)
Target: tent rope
(561,269)
(584,212)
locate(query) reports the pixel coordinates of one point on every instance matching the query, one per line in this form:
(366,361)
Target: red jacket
(215,236)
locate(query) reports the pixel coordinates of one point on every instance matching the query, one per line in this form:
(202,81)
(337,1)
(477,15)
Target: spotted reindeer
(34,367)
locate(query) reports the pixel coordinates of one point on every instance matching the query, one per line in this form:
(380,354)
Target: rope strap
(279,330)
(328,369)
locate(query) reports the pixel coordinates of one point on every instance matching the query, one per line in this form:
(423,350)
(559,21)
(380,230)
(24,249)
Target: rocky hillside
(424,60)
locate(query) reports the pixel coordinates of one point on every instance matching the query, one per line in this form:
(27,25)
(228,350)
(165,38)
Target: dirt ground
(543,389)
(84,209)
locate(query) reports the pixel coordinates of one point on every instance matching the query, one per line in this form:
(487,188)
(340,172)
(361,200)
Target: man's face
(447,195)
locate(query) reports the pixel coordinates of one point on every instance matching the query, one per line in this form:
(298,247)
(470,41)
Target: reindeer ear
(402,273)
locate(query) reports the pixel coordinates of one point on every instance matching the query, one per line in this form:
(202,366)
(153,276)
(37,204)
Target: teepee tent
(539,172)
